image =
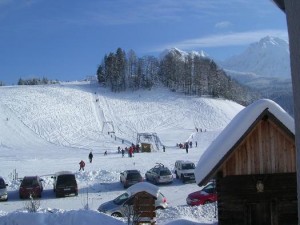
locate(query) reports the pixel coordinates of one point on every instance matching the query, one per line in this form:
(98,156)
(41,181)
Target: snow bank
(59,217)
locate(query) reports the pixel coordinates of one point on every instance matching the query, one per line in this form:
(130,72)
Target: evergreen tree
(100,74)
(120,69)
(21,82)
(132,62)
(169,71)
(45,80)
(111,72)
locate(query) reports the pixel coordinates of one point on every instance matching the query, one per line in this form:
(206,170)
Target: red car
(31,186)
(207,195)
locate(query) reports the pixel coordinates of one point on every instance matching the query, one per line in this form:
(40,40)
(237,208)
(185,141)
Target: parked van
(64,183)
(184,170)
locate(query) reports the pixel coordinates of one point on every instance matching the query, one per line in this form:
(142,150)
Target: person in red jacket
(81,165)
(130,151)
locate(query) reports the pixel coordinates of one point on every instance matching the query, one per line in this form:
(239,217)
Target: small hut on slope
(253,161)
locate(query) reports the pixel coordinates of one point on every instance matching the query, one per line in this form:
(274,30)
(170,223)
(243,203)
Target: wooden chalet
(253,162)
(142,202)
(144,208)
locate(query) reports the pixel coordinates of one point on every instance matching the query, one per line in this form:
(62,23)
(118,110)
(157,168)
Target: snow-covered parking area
(100,183)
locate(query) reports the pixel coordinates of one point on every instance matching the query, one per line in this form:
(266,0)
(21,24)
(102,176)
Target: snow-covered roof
(234,131)
(143,186)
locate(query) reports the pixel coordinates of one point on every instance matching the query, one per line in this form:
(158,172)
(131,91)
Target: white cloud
(223,25)
(120,12)
(222,40)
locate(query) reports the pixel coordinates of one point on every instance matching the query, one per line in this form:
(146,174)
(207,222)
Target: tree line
(36,81)
(190,74)
(121,71)
(33,81)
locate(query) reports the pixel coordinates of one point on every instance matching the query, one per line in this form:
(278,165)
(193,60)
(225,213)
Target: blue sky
(67,39)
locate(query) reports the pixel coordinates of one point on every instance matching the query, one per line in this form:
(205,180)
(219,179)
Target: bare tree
(33,204)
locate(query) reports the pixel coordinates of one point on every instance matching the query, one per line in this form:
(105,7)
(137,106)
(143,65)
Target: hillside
(69,115)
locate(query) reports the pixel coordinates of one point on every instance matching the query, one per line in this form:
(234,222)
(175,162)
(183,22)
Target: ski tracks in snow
(69,115)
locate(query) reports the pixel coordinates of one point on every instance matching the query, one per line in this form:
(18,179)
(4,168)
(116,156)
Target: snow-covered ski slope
(83,115)
(45,129)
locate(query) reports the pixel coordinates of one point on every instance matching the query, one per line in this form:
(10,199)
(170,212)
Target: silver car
(118,207)
(130,177)
(3,190)
(159,174)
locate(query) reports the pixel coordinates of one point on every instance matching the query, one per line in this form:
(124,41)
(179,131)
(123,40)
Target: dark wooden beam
(280,4)
(292,10)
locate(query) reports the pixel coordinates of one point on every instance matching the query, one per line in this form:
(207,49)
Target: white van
(184,170)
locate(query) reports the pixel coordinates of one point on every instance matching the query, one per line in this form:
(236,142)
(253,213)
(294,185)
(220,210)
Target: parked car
(64,183)
(184,170)
(31,186)
(130,177)
(159,174)
(206,195)
(3,190)
(119,207)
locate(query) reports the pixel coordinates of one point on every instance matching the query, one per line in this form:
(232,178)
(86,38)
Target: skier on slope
(91,157)
(81,165)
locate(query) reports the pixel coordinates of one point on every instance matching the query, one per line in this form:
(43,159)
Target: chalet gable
(254,142)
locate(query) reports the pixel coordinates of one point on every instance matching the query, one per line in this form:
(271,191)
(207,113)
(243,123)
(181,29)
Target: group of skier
(187,145)
(134,149)
(130,151)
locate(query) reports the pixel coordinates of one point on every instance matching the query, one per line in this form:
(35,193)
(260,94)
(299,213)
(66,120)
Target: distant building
(92,78)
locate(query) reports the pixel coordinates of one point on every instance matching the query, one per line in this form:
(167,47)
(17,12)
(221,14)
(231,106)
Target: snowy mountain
(183,54)
(45,129)
(269,58)
(265,68)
